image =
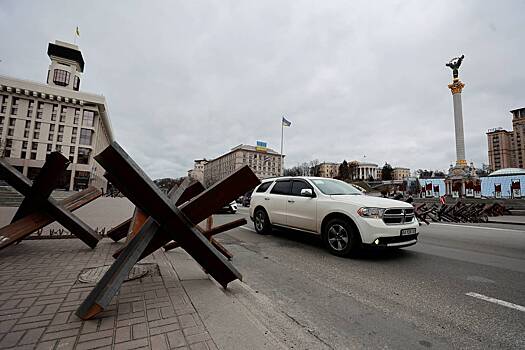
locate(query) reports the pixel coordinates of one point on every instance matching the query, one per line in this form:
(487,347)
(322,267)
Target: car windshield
(335,187)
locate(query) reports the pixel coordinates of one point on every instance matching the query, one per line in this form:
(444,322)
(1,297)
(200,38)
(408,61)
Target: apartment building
(506,149)
(36,119)
(400,173)
(197,172)
(264,163)
(330,170)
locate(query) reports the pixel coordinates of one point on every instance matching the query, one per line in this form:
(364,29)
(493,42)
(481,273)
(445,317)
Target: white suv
(345,218)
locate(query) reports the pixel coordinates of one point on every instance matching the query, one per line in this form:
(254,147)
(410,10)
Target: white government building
(36,119)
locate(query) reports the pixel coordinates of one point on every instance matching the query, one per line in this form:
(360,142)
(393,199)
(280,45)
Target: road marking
(477,227)
(248,228)
(496,301)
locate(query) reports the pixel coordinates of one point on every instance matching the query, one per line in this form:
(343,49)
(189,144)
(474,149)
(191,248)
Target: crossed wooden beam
(166,219)
(130,227)
(38,209)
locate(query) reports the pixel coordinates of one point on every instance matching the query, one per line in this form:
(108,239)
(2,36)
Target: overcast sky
(192,79)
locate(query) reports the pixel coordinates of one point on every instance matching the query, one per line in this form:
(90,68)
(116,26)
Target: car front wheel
(340,238)
(261,222)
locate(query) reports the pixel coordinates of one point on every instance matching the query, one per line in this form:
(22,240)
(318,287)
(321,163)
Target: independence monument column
(456,87)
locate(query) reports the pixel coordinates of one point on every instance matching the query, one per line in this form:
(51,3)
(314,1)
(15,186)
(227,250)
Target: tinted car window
(264,186)
(282,187)
(297,186)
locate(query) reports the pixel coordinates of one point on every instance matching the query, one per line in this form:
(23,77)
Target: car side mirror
(307,192)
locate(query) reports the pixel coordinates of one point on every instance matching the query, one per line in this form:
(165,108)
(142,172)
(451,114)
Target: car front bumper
(375,232)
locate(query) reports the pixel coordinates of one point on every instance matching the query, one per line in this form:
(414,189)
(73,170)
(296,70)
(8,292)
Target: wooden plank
(137,220)
(44,184)
(141,190)
(36,220)
(120,231)
(100,297)
(210,233)
(71,222)
(177,195)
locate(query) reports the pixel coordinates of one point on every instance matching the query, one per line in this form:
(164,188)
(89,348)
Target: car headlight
(367,212)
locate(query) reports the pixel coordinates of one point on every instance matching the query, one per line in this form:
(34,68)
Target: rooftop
(66,50)
(508,172)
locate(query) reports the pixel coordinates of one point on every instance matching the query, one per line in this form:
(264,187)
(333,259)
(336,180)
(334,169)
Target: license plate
(408,231)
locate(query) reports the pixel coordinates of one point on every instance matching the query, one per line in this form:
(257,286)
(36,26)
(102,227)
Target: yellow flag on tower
(77,32)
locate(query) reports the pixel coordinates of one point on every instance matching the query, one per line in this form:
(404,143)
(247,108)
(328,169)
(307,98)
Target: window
(29,111)
(1,120)
(89,118)
(73,139)
(37,125)
(83,155)
(33,155)
(62,118)
(7,153)
(23,154)
(63,110)
(49,147)
(60,138)
(50,137)
(28,124)
(10,132)
(34,146)
(281,187)
(25,144)
(61,77)
(59,148)
(26,133)
(12,122)
(31,104)
(36,135)
(72,150)
(39,115)
(9,143)
(61,128)
(53,117)
(40,105)
(76,83)
(75,130)
(297,186)
(335,187)
(3,109)
(264,186)
(52,127)
(86,136)
(76,116)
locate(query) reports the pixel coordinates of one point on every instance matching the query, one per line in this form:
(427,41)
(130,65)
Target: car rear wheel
(261,222)
(340,237)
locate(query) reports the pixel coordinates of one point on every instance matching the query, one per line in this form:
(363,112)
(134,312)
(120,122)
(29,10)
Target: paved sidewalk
(39,293)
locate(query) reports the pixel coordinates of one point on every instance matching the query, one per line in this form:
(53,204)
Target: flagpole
(282,135)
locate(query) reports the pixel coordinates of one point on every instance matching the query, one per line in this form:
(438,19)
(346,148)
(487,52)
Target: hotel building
(506,149)
(36,119)
(264,163)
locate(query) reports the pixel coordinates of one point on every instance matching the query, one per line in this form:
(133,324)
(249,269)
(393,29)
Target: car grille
(398,216)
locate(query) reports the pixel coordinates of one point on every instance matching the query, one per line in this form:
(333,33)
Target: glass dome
(508,171)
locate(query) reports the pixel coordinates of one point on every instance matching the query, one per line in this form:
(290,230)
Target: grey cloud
(187,79)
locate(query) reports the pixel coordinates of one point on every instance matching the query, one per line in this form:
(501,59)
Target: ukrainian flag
(286,122)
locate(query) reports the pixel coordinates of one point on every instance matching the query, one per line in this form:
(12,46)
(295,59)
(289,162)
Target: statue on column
(454,65)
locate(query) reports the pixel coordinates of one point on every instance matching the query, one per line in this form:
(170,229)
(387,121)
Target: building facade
(264,163)
(330,170)
(506,149)
(36,119)
(197,173)
(400,173)
(366,171)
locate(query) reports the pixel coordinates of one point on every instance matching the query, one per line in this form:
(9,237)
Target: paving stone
(66,343)
(187,321)
(5,326)
(199,346)
(176,339)
(95,335)
(93,344)
(139,330)
(47,345)
(10,339)
(60,334)
(123,334)
(32,336)
(159,342)
(133,344)
(200,337)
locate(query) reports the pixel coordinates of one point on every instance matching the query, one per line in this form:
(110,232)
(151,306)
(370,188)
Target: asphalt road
(461,286)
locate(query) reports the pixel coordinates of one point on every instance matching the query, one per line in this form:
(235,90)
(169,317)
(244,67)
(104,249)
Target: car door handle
(291,201)
(266,198)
